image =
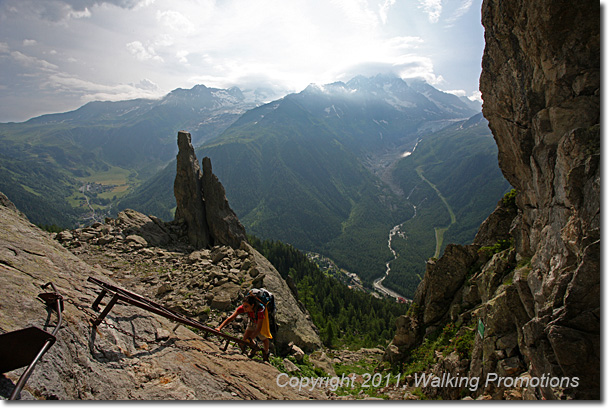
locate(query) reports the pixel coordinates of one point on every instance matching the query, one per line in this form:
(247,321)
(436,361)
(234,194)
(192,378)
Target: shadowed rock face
(224,225)
(189,196)
(539,300)
(201,201)
(541,87)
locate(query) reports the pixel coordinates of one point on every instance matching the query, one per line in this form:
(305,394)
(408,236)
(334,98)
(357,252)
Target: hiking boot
(266,357)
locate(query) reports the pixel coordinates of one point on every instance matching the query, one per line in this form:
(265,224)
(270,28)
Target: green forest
(345,317)
(461,162)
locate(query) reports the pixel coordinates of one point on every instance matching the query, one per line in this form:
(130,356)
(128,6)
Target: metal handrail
(58,308)
(149,305)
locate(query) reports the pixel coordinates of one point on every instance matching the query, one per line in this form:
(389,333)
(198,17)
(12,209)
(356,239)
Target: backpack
(265,297)
(268,300)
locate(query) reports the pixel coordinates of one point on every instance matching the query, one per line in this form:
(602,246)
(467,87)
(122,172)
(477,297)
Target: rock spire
(201,202)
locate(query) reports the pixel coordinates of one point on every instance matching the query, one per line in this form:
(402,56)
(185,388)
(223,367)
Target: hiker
(258,325)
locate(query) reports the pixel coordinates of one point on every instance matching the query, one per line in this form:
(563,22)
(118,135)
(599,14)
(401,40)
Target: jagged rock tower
(201,201)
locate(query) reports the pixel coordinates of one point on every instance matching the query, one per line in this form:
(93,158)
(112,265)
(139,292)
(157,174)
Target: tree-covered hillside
(344,316)
(454,181)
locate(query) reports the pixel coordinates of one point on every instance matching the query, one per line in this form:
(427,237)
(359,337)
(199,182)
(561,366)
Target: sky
(57,55)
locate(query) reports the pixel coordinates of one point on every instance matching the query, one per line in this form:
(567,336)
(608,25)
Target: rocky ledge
(133,354)
(205,284)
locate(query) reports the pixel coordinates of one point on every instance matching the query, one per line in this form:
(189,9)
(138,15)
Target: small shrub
(498,247)
(510,199)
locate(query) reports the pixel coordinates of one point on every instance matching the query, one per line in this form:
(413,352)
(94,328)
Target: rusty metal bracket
(27,346)
(119,294)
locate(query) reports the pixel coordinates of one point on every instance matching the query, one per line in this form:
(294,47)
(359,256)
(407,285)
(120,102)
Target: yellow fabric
(265,329)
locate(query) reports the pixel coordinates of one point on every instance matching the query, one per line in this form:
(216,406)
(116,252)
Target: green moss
(524,262)
(499,246)
(452,338)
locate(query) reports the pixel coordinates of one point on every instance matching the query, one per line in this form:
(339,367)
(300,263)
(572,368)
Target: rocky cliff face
(537,295)
(544,110)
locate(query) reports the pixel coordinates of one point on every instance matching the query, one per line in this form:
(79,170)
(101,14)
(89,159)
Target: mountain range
(331,169)
(323,170)
(46,161)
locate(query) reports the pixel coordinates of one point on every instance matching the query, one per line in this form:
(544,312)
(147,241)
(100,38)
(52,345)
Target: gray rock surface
(539,300)
(201,202)
(224,225)
(162,363)
(190,206)
(150,228)
(199,283)
(541,87)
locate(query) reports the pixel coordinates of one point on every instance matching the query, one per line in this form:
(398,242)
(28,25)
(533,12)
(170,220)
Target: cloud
(459,93)
(416,66)
(147,85)
(92,91)
(175,20)
(357,12)
(137,49)
(178,43)
(79,14)
(181,56)
(405,42)
(433,8)
(476,96)
(406,66)
(61,11)
(384,8)
(459,12)
(33,62)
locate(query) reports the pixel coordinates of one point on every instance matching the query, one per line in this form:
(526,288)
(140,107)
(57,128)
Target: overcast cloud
(56,55)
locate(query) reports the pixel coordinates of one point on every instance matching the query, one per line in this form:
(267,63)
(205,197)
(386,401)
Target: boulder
(64,236)
(221,301)
(136,223)
(297,352)
(294,324)
(290,367)
(136,241)
(321,361)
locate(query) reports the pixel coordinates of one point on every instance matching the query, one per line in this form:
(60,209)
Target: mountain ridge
(309,169)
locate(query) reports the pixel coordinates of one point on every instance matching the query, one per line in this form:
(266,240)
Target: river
(377,284)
